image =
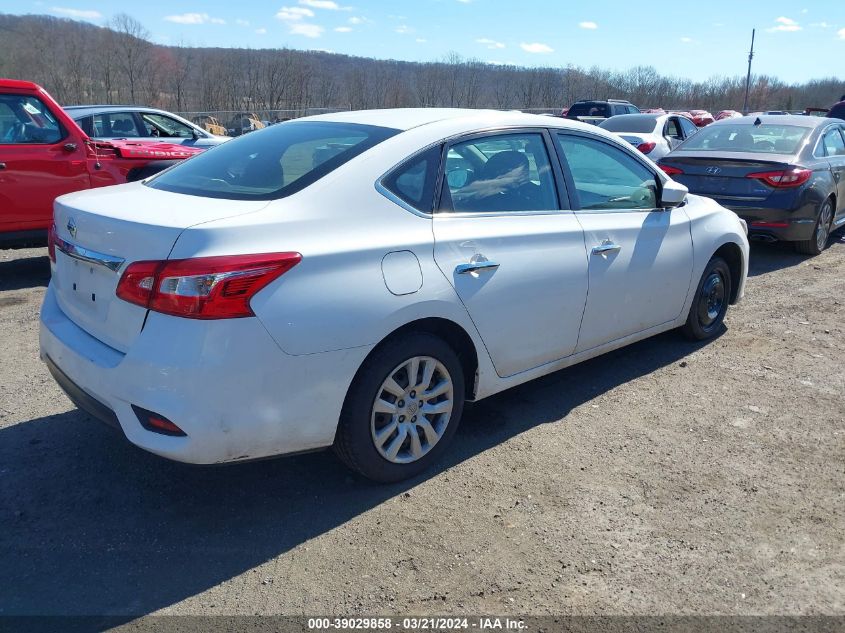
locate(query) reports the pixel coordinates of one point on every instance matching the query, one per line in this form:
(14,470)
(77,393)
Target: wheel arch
(732,254)
(453,334)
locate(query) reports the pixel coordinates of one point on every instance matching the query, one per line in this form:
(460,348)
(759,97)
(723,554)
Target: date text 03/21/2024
(417,624)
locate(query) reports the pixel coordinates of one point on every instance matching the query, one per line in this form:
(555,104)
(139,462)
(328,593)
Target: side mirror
(673,194)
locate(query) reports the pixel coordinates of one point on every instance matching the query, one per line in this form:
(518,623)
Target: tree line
(81,63)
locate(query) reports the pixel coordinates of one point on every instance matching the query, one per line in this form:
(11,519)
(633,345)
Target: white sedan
(655,135)
(351,279)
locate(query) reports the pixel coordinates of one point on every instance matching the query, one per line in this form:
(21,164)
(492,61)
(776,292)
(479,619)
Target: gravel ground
(665,478)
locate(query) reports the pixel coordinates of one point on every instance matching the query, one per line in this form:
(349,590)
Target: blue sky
(796,40)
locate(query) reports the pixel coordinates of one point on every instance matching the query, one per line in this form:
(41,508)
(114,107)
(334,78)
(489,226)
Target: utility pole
(748,76)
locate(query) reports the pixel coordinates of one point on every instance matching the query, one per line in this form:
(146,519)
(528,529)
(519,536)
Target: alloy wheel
(412,409)
(823,226)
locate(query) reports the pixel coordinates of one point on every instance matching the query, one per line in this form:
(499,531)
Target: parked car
(784,175)
(655,135)
(44,154)
(597,111)
(210,124)
(701,117)
(145,125)
(728,114)
(244,122)
(253,301)
(653,111)
(837,111)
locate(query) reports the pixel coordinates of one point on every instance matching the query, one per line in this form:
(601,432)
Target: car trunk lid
(725,176)
(102,231)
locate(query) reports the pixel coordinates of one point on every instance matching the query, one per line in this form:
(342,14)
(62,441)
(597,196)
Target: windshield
(630,123)
(271,163)
(763,139)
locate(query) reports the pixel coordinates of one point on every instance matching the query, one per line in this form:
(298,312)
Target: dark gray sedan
(784,175)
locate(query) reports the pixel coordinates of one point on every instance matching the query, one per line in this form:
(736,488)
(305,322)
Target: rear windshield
(630,123)
(271,163)
(589,108)
(763,139)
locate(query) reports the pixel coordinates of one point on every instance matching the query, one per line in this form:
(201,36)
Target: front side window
(271,163)
(607,178)
(26,120)
(501,173)
(833,143)
(165,126)
(116,125)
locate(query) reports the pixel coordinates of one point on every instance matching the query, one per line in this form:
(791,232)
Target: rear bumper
(764,223)
(225,383)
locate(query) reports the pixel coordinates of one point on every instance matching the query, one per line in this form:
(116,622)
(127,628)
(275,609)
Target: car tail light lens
(645,148)
(671,171)
(783,179)
(204,287)
(51,243)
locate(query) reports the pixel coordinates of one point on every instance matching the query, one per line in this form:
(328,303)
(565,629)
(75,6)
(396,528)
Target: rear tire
(710,303)
(402,409)
(821,233)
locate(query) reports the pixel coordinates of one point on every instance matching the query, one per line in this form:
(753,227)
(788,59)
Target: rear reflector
(157,423)
(204,287)
(783,179)
(770,225)
(671,171)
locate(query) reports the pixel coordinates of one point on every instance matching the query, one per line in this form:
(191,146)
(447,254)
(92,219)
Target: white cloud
(464,1)
(687,40)
(491,44)
(785,25)
(343,29)
(536,47)
(308,30)
(404,29)
(194,18)
(590,26)
(261,31)
(291,14)
(841,34)
(242,22)
(356,20)
(82,14)
(821,25)
(421,40)
(324,4)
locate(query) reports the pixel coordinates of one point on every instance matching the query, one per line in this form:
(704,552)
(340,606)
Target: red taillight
(671,171)
(783,179)
(645,148)
(205,287)
(157,423)
(771,225)
(51,243)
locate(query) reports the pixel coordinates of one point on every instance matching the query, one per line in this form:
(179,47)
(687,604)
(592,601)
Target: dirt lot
(664,478)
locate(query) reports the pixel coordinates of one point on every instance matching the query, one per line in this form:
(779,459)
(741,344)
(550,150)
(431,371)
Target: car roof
(80,111)
(18,84)
(641,116)
(776,119)
(408,118)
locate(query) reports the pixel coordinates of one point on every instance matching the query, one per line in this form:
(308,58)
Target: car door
(514,254)
(39,161)
(640,256)
(834,146)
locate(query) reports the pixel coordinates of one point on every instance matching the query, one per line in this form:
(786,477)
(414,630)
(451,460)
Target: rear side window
(271,163)
(833,143)
(763,139)
(26,120)
(606,178)
(688,127)
(414,181)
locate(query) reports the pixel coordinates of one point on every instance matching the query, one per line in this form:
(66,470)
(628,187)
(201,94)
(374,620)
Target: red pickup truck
(44,154)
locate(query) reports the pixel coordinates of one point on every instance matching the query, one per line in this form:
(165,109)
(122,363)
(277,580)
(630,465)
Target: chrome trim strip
(83,254)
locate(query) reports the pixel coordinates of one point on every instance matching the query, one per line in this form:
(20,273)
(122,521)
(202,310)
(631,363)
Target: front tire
(710,304)
(402,409)
(818,242)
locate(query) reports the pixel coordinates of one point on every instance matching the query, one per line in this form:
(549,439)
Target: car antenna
(757,121)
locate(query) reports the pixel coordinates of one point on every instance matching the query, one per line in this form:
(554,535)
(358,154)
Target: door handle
(474,267)
(606,247)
